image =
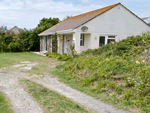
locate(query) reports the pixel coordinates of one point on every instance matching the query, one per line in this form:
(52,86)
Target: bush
(64,57)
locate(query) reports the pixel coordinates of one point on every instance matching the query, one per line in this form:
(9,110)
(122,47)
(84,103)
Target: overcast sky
(27,13)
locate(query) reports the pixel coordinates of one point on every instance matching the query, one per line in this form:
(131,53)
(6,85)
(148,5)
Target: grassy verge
(7,59)
(51,101)
(4,105)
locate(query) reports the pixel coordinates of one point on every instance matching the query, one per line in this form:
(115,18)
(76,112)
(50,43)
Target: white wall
(77,41)
(117,21)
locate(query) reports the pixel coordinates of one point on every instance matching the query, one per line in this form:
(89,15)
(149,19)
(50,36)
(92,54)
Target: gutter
(46,34)
(59,32)
(66,31)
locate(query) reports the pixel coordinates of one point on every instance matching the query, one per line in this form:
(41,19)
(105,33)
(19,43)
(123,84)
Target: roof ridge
(93,11)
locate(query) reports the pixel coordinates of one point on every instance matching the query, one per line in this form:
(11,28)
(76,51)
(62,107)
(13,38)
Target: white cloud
(27,13)
(85,1)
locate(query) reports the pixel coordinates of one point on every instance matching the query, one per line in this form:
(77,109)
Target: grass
(118,73)
(52,101)
(7,59)
(4,105)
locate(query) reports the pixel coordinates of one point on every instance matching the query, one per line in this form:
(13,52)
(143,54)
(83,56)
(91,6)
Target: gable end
(110,9)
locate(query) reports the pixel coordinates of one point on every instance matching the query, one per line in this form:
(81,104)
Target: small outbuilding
(15,29)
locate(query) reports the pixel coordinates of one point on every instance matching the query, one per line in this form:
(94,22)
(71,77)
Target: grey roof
(74,22)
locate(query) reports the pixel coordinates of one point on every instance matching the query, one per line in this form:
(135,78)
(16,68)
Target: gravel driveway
(20,100)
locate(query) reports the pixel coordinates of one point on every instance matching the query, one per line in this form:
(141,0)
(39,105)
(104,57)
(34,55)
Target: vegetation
(44,24)
(149,24)
(25,40)
(52,101)
(4,105)
(118,73)
(60,57)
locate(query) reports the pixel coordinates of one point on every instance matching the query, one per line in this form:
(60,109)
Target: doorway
(45,44)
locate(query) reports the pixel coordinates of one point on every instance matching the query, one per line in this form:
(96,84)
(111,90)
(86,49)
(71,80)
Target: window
(101,41)
(82,40)
(110,39)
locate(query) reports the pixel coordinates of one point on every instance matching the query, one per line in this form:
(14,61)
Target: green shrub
(64,57)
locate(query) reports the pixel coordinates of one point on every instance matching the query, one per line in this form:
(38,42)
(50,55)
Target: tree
(44,24)
(25,40)
(48,22)
(3,39)
(149,24)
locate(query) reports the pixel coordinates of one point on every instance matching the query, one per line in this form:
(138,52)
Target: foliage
(3,43)
(44,24)
(52,101)
(73,52)
(149,24)
(25,40)
(120,70)
(48,22)
(64,57)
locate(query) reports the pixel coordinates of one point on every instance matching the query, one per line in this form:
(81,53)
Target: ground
(21,73)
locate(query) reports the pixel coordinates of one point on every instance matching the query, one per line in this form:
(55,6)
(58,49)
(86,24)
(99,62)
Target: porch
(81,42)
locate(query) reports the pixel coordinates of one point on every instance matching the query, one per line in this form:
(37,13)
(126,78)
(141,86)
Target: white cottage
(93,29)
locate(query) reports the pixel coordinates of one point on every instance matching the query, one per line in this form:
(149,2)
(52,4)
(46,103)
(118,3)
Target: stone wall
(41,43)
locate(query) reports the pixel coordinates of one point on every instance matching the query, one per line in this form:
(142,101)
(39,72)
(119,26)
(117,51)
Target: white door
(45,44)
(65,45)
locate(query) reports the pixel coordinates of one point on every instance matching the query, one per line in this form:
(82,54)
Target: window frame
(107,37)
(110,37)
